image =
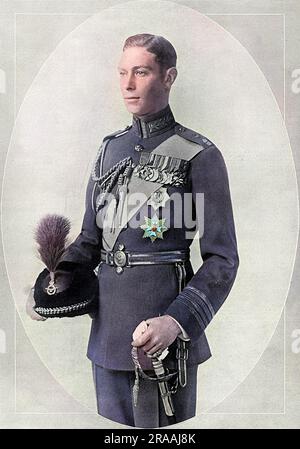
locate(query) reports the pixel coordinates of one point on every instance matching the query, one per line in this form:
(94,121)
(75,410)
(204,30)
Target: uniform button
(138,147)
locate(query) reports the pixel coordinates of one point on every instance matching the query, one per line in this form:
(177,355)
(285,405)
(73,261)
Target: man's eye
(140,72)
(121,73)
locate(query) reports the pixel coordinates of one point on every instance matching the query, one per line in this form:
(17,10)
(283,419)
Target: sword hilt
(163,387)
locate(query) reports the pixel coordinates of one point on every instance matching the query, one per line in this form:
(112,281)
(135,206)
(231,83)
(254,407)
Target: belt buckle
(120,259)
(182,354)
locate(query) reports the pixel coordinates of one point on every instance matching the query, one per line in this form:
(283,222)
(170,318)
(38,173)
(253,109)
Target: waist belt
(121,258)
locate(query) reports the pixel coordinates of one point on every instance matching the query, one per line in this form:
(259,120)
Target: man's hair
(165,54)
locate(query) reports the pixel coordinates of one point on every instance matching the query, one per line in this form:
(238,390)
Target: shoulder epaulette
(192,136)
(118,133)
(96,172)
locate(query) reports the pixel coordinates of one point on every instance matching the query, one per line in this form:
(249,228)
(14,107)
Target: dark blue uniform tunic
(143,292)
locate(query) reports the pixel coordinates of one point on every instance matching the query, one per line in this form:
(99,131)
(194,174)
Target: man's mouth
(131,98)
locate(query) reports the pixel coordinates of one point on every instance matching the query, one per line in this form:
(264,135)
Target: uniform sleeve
(85,250)
(204,294)
(183,335)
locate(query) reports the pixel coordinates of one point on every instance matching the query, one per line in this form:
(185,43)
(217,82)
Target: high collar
(153,124)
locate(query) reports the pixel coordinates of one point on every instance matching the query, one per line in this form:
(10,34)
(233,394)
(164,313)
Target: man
(150,299)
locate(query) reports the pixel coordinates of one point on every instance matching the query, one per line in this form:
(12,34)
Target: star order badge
(158,198)
(154,228)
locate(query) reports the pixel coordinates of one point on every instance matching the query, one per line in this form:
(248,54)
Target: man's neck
(151,114)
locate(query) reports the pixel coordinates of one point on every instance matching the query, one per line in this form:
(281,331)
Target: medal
(158,198)
(154,228)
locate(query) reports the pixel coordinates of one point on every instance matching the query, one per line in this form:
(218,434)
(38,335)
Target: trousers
(115,401)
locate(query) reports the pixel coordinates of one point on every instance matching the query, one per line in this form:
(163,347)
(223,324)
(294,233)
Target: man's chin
(134,109)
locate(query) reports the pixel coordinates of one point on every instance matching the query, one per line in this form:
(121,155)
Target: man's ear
(170,77)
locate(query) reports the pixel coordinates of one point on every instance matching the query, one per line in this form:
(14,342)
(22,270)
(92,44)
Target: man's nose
(130,82)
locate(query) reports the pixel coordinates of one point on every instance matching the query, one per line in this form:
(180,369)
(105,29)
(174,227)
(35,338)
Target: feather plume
(51,236)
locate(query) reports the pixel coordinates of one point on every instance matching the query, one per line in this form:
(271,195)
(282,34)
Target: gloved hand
(30,308)
(159,334)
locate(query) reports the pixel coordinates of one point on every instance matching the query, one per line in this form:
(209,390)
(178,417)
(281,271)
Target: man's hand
(30,308)
(159,334)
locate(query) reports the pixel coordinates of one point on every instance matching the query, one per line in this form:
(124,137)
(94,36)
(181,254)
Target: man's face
(142,84)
